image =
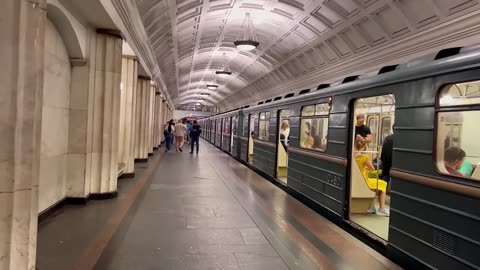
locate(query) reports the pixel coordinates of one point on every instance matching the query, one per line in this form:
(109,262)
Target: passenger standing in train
(386,156)
(453,160)
(365,165)
(195,132)
(168,131)
(362,130)
(284,133)
(180,130)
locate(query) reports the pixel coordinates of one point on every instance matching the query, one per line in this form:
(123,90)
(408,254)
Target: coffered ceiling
(191,39)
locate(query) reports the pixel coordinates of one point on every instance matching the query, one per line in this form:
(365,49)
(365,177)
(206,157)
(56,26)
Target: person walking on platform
(189,128)
(180,130)
(168,131)
(195,135)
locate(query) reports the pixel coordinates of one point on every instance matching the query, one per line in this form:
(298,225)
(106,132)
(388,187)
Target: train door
(251,130)
(283,132)
(234,132)
(214,131)
(369,203)
(227,132)
(220,132)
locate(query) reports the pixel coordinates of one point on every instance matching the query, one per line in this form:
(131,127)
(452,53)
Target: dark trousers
(169,141)
(194,140)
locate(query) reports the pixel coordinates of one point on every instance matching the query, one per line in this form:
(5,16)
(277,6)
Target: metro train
(305,143)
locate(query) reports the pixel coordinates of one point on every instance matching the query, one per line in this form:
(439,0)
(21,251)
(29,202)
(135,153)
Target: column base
(104,196)
(127,175)
(141,160)
(50,212)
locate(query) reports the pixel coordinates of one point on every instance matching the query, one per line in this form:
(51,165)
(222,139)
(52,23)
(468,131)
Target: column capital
(110,32)
(130,57)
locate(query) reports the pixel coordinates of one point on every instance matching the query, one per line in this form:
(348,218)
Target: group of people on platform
(180,132)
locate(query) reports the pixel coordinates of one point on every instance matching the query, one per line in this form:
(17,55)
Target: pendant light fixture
(225,71)
(247,40)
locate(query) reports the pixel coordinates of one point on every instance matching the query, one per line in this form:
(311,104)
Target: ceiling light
(246,45)
(212,86)
(223,73)
(248,41)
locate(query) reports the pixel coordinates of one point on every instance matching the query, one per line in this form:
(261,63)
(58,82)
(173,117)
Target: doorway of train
(233,133)
(283,133)
(372,142)
(251,130)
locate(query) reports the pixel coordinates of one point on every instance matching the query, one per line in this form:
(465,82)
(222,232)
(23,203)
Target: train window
(226,126)
(458,148)
(263,125)
(245,126)
(460,94)
(314,126)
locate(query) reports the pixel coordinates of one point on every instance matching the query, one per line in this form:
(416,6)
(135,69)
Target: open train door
(369,204)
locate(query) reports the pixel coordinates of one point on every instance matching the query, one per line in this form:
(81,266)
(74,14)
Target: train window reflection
(458,148)
(263,125)
(314,126)
(459,94)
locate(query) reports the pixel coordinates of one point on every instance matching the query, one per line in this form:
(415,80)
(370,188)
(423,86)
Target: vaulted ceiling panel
(393,22)
(297,37)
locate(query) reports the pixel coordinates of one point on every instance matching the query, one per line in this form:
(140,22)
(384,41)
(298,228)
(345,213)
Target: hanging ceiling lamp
(225,71)
(249,40)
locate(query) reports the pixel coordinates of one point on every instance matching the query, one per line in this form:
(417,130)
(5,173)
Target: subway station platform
(205,211)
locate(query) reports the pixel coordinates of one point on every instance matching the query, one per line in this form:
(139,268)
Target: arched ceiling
(191,39)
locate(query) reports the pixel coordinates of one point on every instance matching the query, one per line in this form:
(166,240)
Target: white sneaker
(372,210)
(383,212)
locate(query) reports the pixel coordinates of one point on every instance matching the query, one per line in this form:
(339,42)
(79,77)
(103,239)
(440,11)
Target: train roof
(445,61)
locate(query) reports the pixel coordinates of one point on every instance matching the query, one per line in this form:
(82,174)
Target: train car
(226,132)
(314,146)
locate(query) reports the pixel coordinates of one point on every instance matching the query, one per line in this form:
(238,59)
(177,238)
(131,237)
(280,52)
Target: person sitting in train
(453,160)
(362,130)
(365,165)
(308,142)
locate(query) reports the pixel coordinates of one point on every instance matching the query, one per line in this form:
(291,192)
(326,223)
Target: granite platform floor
(210,212)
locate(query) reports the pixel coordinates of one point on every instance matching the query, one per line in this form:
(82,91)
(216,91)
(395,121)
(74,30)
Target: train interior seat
(361,195)
(476,173)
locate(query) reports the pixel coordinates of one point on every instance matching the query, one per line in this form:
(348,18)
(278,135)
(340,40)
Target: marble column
(104,111)
(22,24)
(164,118)
(158,119)
(127,119)
(141,112)
(151,103)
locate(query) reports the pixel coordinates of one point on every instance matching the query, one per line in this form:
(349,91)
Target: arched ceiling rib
(298,38)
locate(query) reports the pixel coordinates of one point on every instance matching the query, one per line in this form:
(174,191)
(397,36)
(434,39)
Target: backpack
(167,130)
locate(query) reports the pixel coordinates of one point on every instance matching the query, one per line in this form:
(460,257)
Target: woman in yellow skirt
(365,165)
